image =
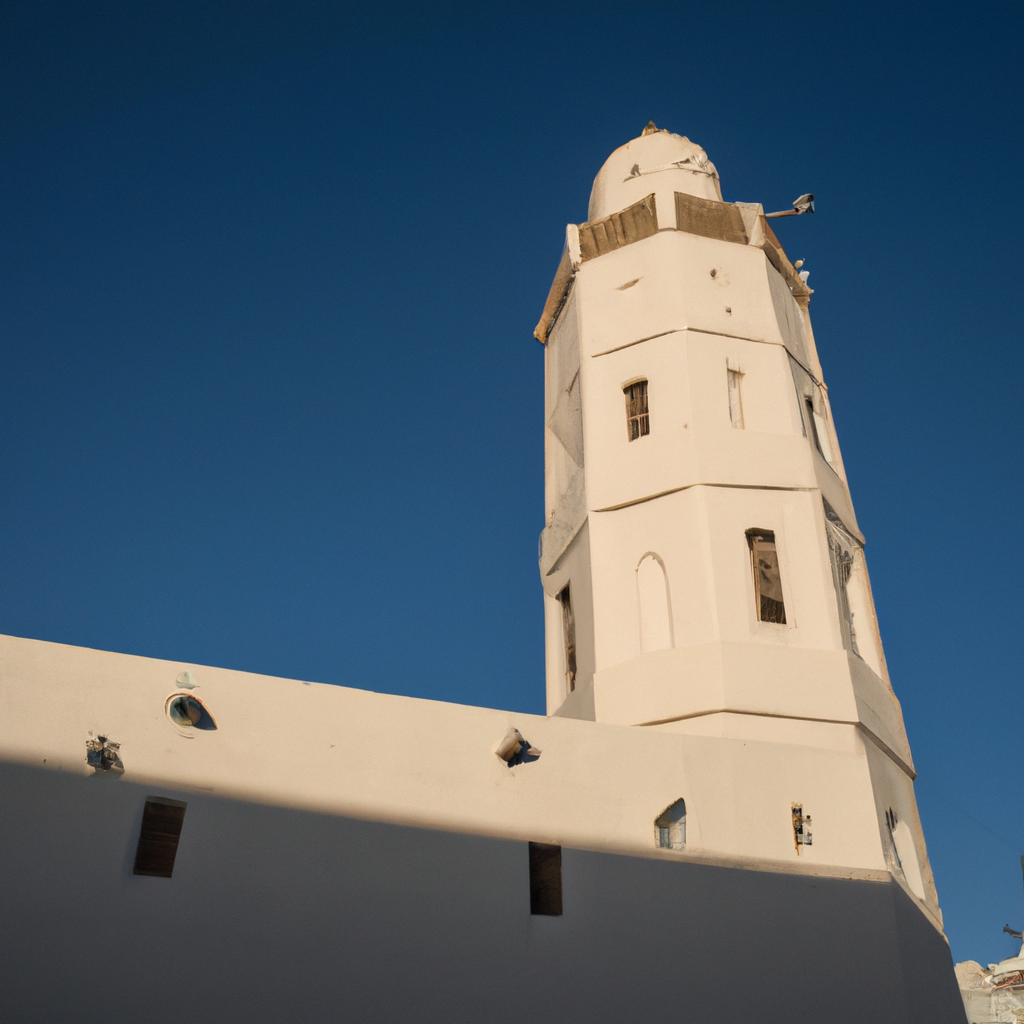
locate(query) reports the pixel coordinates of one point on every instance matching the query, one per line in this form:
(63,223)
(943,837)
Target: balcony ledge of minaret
(660,182)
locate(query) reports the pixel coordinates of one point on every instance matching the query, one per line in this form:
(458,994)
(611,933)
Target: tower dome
(657,161)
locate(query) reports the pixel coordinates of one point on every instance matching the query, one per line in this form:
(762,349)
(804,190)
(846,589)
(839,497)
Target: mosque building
(715,820)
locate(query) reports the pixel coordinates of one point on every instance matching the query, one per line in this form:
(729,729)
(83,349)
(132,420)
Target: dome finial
(650,129)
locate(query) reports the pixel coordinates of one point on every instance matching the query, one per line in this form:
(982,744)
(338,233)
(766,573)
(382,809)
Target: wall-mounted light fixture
(514,749)
(805,204)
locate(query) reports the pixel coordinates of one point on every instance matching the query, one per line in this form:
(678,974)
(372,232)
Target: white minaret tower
(703,569)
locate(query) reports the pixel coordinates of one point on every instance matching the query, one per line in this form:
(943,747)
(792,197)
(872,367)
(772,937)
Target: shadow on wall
(293,915)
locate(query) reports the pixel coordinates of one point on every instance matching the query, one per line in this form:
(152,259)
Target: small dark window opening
(545,879)
(638,419)
(767,577)
(158,841)
(569,636)
(814,426)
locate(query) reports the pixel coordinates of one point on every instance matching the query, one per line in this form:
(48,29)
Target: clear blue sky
(268,393)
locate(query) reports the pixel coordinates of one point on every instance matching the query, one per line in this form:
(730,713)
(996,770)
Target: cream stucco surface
(367,755)
(741,438)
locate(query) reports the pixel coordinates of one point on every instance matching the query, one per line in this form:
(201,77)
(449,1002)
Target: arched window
(655,606)
(906,853)
(670,827)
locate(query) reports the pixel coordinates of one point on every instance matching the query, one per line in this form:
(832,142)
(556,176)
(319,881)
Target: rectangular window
(820,431)
(638,420)
(158,841)
(569,637)
(767,577)
(735,404)
(545,879)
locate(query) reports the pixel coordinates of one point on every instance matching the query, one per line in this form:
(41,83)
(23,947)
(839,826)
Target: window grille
(638,420)
(569,637)
(767,577)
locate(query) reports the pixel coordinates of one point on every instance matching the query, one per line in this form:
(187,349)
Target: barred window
(764,559)
(638,420)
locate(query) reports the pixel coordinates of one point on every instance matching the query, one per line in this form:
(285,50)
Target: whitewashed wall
(277,914)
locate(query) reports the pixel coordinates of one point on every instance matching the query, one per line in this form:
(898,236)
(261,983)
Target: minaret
(702,565)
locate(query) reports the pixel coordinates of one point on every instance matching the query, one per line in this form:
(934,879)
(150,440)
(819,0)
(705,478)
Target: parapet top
(655,161)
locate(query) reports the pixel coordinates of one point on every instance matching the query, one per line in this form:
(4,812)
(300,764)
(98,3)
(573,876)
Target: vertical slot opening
(568,637)
(767,577)
(545,879)
(158,840)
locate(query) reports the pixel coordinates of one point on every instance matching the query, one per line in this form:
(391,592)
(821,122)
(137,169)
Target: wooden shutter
(158,841)
(710,219)
(609,233)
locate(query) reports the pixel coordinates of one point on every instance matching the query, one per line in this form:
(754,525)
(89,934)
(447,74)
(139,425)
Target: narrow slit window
(638,419)
(819,428)
(545,879)
(735,400)
(569,637)
(158,840)
(764,559)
